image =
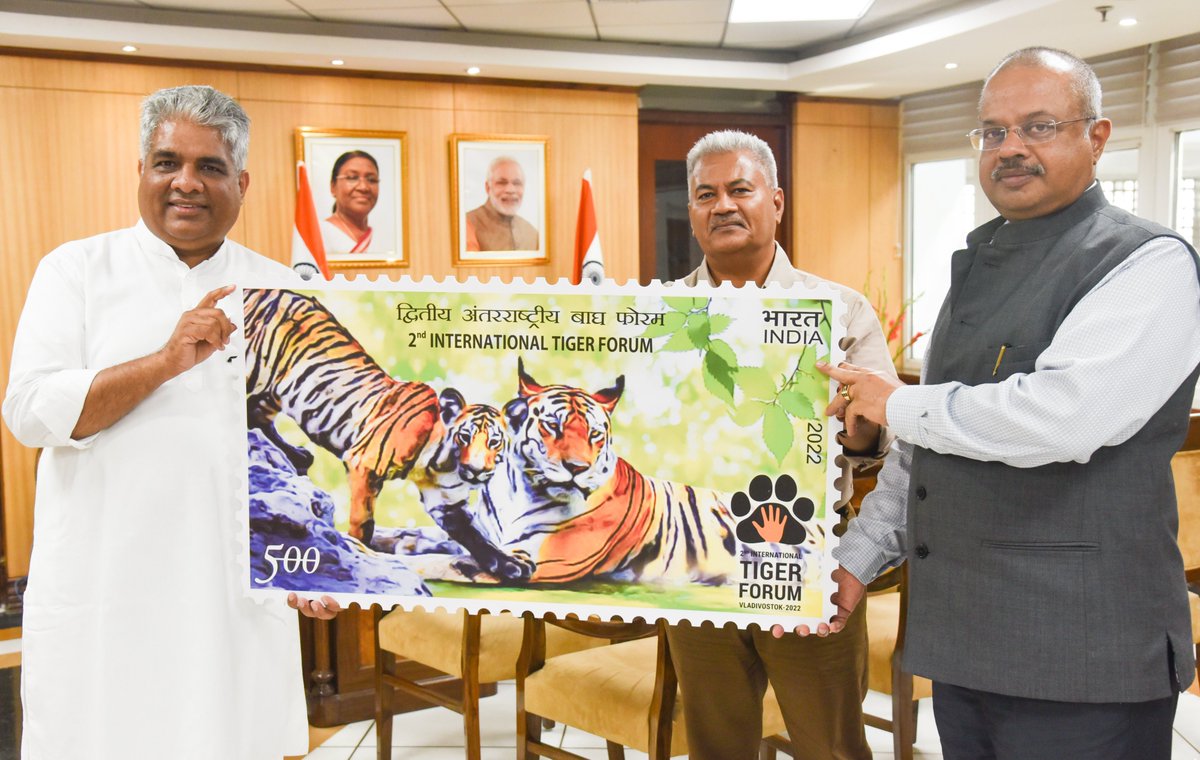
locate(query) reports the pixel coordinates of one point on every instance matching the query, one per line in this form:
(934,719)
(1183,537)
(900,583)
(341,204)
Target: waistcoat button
(922,551)
(921,493)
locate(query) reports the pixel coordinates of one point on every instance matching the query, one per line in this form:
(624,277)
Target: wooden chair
(626,692)
(479,649)
(886,606)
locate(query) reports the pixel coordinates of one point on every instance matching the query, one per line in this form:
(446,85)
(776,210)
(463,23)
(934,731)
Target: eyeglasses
(1029,133)
(354,179)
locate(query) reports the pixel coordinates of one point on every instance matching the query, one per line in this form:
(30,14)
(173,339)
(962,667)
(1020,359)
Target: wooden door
(667,249)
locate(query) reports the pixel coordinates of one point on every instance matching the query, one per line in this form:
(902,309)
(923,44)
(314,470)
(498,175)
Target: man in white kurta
(137,639)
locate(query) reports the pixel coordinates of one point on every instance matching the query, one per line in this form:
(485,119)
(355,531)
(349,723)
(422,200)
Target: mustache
(1016,165)
(726,218)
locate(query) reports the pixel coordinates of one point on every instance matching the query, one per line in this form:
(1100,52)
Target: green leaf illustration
(723,350)
(680,341)
(718,378)
(756,382)
(797,404)
(777,432)
(699,329)
(748,413)
(684,304)
(672,321)
(718,323)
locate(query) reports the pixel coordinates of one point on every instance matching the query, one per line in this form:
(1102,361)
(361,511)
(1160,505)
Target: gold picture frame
(386,243)
(495,222)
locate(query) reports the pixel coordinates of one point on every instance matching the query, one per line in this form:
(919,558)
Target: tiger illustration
(302,362)
(565,498)
(455,465)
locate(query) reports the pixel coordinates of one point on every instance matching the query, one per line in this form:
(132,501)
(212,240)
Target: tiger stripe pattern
(301,361)
(579,510)
(459,464)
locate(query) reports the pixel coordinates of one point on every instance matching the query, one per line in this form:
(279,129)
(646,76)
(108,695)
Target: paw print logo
(770,512)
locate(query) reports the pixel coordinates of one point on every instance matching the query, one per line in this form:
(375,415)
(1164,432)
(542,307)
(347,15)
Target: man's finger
(838,373)
(851,422)
(210,299)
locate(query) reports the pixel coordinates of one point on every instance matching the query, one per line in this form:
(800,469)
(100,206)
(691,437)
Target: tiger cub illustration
(304,363)
(457,464)
(564,497)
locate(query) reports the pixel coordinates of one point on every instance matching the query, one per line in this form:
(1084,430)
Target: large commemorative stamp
(655,452)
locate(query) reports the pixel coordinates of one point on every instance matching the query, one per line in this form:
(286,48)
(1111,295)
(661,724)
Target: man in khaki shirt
(734,205)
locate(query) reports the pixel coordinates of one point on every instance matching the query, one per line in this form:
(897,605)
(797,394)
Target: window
(1117,173)
(944,196)
(1187,189)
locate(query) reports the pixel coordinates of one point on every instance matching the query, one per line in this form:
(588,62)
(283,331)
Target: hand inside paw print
(773,523)
(769,512)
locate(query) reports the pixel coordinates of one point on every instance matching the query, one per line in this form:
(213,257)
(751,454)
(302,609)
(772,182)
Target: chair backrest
(661,709)
(1185,466)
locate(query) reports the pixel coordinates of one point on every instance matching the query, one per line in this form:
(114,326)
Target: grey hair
(732,141)
(1084,83)
(503,160)
(203,106)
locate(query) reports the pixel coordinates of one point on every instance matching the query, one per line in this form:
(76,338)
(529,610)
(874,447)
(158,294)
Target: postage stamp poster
(655,452)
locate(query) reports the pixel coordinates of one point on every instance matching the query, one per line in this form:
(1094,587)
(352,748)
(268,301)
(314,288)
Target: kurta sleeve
(49,380)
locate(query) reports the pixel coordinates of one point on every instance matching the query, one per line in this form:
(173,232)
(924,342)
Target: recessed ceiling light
(129,49)
(338,62)
(1128,22)
(952,65)
(764,11)
(473,70)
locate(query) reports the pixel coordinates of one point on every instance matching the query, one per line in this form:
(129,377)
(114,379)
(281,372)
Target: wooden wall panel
(98,76)
(845,202)
(69,141)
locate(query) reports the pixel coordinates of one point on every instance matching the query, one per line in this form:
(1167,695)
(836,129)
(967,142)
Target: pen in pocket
(999,358)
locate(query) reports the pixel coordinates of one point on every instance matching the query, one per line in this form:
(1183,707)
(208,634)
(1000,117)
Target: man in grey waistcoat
(1030,490)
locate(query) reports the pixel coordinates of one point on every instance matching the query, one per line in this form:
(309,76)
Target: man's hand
(850,592)
(199,334)
(326,609)
(773,523)
(115,391)
(868,391)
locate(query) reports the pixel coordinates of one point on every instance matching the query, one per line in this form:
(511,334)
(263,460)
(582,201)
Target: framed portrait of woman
(500,202)
(359,190)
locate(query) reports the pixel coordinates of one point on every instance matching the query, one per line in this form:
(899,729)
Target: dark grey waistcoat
(1060,582)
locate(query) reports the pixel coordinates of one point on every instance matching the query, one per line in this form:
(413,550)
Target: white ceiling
(898,47)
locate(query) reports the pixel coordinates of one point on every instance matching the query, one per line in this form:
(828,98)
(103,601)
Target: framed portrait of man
(359,192)
(500,201)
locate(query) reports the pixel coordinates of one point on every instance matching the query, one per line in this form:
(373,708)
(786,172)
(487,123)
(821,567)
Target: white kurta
(137,639)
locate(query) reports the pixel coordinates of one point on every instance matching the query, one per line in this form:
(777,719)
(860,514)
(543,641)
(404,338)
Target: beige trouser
(820,683)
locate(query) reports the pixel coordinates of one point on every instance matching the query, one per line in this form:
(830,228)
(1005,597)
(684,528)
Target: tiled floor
(436,734)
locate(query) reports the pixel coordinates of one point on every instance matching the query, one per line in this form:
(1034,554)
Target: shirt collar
(156,246)
(781,273)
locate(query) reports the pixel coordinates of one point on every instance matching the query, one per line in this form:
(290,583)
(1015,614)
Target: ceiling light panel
(786,34)
(774,11)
